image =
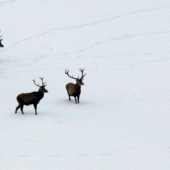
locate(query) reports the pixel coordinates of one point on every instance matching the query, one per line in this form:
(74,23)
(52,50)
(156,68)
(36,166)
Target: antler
(43,83)
(36,84)
(82,73)
(66,72)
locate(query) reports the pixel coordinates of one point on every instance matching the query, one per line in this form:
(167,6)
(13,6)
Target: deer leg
(75,100)
(78,97)
(17,108)
(68,96)
(35,107)
(22,106)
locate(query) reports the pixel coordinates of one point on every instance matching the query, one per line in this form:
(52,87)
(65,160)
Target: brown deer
(75,89)
(1,45)
(31,98)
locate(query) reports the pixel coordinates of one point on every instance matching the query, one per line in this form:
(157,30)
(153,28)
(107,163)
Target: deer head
(42,87)
(1,45)
(79,81)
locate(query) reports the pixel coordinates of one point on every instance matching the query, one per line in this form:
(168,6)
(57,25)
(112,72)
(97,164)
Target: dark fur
(1,45)
(30,98)
(75,89)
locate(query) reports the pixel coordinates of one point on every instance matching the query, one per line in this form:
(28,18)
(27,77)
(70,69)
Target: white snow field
(122,121)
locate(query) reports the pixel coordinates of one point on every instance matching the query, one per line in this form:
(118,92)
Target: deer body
(31,98)
(75,89)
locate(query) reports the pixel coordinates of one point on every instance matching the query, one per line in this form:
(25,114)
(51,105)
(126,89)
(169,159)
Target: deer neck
(39,95)
(41,91)
(78,86)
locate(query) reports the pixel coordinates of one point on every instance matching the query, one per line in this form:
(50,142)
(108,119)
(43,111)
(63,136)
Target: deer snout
(46,91)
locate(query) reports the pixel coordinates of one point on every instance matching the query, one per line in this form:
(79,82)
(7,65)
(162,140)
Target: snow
(122,120)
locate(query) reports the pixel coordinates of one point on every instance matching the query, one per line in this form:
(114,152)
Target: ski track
(95,23)
(112,152)
(128,67)
(150,62)
(128,36)
(23,65)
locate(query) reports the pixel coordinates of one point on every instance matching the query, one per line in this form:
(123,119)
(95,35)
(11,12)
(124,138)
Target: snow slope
(122,121)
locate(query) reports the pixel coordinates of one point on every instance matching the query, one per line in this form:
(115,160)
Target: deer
(75,89)
(1,45)
(31,98)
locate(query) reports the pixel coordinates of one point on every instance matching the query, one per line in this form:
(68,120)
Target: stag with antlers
(1,45)
(75,89)
(31,98)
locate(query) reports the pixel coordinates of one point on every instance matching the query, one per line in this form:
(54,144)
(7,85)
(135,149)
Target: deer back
(30,98)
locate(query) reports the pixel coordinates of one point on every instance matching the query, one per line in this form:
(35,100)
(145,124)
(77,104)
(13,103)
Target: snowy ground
(122,121)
